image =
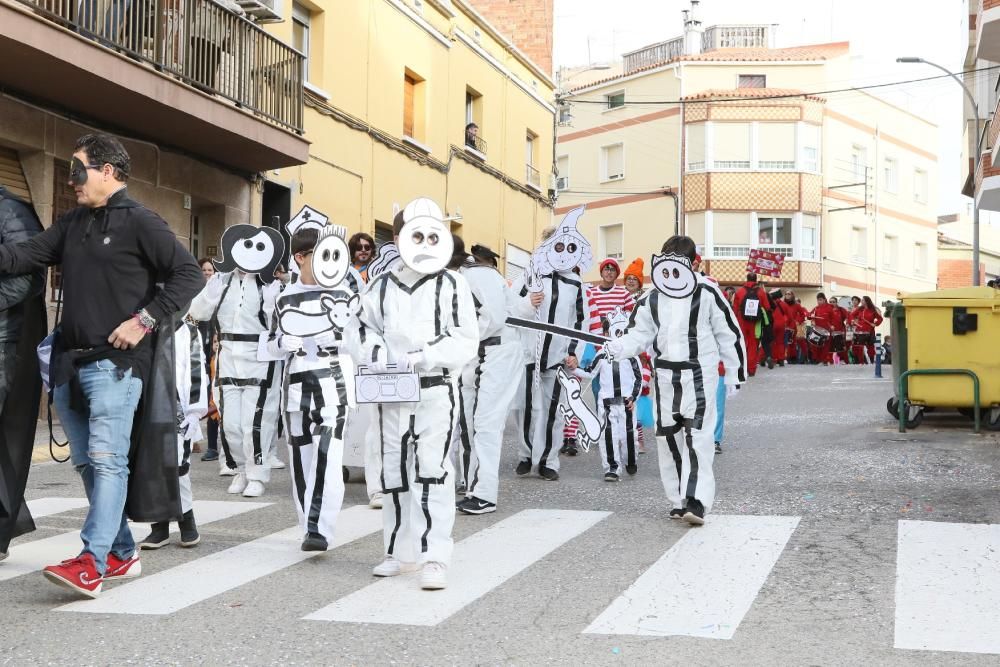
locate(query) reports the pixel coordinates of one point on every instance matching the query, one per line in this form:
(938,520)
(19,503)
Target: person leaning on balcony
(472,136)
(211,35)
(124,274)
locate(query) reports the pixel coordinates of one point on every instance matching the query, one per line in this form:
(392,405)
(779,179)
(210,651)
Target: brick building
(526,23)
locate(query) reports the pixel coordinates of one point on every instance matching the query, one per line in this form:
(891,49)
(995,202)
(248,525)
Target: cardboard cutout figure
(385,259)
(252,250)
(331,259)
(425,242)
(566,249)
(576,407)
(673,276)
(306,218)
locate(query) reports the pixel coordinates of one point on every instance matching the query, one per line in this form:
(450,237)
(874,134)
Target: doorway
(276,210)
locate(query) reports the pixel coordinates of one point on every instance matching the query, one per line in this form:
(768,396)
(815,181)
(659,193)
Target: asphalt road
(814,477)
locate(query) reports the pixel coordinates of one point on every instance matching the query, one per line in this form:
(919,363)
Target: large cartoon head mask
(331,258)
(673,276)
(250,249)
(425,242)
(565,249)
(617,323)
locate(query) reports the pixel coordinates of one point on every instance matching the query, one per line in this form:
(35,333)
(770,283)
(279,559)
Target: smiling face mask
(673,276)
(252,250)
(566,249)
(425,242)
(330,258)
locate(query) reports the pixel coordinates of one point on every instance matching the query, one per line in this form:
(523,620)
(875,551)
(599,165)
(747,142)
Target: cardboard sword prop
(556,330)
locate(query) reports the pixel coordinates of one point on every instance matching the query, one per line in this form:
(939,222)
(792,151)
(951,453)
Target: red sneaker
(122,569)
(79,574)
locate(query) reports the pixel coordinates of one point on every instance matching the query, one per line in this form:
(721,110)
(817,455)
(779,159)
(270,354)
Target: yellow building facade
(391,86)
(842,185)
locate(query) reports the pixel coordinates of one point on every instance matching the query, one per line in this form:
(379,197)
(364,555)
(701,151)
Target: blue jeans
(99,441)
(720,407)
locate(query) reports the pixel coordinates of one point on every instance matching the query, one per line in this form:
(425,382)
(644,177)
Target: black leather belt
(239,338)
(433,381)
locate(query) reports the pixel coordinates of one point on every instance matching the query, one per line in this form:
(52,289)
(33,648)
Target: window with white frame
(517,260)
(730,233)
(920,186)
(890,252)
(694,227)
(615,100)
(731,145)
(612,241)
(776,146)
(859,163)
(809,238)
(890,175)
(752,81)
(809,139)
(613,162)
(774,234)
(859,246)
(695,146)
(562,173)
(565,114)
(301,20)
(920,259)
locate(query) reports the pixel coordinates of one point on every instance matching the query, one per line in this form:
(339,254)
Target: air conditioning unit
(562,183)
(260,11)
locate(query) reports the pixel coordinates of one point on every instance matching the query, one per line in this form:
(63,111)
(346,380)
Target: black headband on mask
(78,171)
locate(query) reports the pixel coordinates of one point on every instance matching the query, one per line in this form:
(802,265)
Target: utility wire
(777,97)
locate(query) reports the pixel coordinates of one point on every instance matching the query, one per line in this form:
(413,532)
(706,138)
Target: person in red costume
(823,316)
(780,314)
(749,303)
(838,339)
(796,315)
(866,318)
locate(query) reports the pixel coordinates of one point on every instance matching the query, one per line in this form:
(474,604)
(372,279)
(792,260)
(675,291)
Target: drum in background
(817,336)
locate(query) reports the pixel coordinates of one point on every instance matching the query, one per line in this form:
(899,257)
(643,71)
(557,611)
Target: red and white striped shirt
(602,301)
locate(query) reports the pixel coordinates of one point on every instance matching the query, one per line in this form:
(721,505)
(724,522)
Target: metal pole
(976,160)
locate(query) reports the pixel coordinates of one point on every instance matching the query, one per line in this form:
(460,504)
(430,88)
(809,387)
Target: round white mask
(252,255)
(425,242)
(330,259)
(673,276)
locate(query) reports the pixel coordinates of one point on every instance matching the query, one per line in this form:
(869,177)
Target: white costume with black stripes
(620,381)
(192,402)
(564,303)
(317,392)
(489,382)
(247,390)
(689,337)
(432,318)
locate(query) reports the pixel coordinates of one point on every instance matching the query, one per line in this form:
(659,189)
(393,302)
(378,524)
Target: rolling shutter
(11,174)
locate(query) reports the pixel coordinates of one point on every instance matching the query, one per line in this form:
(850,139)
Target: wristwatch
(147,321)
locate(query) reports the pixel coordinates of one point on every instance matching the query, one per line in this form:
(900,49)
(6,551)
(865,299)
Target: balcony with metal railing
(653,54)
(737,37)
(475,145)
(191,73)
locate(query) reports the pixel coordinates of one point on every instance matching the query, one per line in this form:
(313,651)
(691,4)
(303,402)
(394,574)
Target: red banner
(765,263)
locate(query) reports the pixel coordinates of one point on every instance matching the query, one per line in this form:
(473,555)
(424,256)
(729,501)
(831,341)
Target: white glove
(732,390)
(290,343)
(215,286)
(190,428)
(413,360)
(381,362)
(614,350)
(325,340)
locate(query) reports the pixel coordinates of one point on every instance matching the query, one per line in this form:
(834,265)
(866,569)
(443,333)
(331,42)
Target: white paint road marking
(948,587)
(507,547)
(704,584)
(35,555)
(49,506)
(178,587)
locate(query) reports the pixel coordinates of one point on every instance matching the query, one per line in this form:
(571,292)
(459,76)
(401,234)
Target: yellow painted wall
(360,51)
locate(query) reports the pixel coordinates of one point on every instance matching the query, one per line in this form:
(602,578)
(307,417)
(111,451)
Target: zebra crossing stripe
(948,587)
(178,587)
(42,507)
(33,556)
(704,584)
(480,563)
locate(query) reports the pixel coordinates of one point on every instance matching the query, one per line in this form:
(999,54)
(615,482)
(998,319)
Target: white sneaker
(239,484)
(226,471)
(391,567)
(254,489)
(434,576)
(277,464)
(375,502)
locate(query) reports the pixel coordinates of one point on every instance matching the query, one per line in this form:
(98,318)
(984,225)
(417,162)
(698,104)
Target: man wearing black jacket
(113,252)
(21,323)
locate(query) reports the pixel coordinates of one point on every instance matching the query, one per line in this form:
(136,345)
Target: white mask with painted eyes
(566,249)
(673,276)
(565,252)
(617,323)
(425,242)
(253,254)
(330,259)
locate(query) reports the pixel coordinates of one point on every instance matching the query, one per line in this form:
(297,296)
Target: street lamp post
(976,160)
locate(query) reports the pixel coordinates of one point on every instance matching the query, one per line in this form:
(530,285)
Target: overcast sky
(879,30)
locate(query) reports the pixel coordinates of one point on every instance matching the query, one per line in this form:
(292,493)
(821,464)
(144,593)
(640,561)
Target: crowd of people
(149,338)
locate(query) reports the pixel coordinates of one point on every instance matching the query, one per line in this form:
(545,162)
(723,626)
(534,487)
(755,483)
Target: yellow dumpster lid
(968,296)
